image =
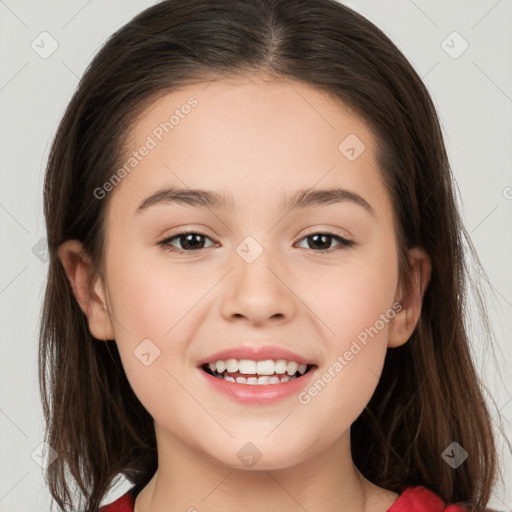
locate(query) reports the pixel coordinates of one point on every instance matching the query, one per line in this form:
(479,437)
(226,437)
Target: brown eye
(190,242)
(322,241)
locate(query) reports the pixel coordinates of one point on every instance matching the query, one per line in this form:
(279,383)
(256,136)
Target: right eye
(320,237)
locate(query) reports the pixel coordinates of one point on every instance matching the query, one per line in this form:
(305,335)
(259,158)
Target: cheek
(150,309)
(357,308)
(151,296)
(155,308)
(148,302)
(357,305)
(352,297)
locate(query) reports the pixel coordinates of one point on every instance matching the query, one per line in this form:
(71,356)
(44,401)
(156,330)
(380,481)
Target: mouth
(257,373)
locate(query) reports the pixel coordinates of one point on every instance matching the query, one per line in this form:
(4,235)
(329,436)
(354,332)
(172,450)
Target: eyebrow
(306,198)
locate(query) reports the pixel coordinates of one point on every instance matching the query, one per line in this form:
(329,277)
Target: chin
(260,455)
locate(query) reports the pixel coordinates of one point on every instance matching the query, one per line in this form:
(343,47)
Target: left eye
(192,241)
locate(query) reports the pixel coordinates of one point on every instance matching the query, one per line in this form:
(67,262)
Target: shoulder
(421,499)
(124,503)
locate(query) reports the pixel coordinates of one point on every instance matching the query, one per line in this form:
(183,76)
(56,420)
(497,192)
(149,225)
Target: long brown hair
(429,394)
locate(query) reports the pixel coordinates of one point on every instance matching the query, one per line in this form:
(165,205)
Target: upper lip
(256,354)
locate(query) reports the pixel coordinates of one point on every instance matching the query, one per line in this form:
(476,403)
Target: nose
(259,291)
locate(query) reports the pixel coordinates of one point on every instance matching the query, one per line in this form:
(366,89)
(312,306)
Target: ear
(403,324)
(78,267)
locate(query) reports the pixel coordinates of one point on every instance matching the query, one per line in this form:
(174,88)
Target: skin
(258,141)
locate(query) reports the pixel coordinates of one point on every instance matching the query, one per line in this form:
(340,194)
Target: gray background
(472,90)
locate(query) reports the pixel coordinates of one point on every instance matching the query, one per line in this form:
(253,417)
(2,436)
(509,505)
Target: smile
(257,382)
(247,371)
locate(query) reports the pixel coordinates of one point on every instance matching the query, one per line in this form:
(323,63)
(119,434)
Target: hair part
(429,394)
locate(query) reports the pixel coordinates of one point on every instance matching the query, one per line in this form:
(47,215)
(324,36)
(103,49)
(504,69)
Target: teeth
(244,366)
(265,367)
(231,365)
(249,367)
(291,369)
(256,381)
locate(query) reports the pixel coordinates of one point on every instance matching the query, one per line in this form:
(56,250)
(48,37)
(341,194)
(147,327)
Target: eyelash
(165,243)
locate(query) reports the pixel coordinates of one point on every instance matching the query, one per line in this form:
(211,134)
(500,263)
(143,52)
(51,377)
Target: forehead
(250,135)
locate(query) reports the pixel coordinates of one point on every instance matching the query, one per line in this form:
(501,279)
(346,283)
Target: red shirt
(412,499)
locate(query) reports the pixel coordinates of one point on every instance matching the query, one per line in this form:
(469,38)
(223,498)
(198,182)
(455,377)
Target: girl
(256,282)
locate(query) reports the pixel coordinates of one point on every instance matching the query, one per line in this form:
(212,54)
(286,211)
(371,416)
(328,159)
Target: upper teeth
(267,367)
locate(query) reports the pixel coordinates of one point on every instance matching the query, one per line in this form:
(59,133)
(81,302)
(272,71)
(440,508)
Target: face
(318,279)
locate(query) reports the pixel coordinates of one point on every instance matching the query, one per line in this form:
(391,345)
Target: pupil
(187,239)
(321,241)
(316,237)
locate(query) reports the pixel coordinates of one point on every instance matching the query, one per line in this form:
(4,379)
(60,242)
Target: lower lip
(258,393)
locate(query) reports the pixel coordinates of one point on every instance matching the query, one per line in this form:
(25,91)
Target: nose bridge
(256,290)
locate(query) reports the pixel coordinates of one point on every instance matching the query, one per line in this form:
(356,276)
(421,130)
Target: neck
(190,481)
